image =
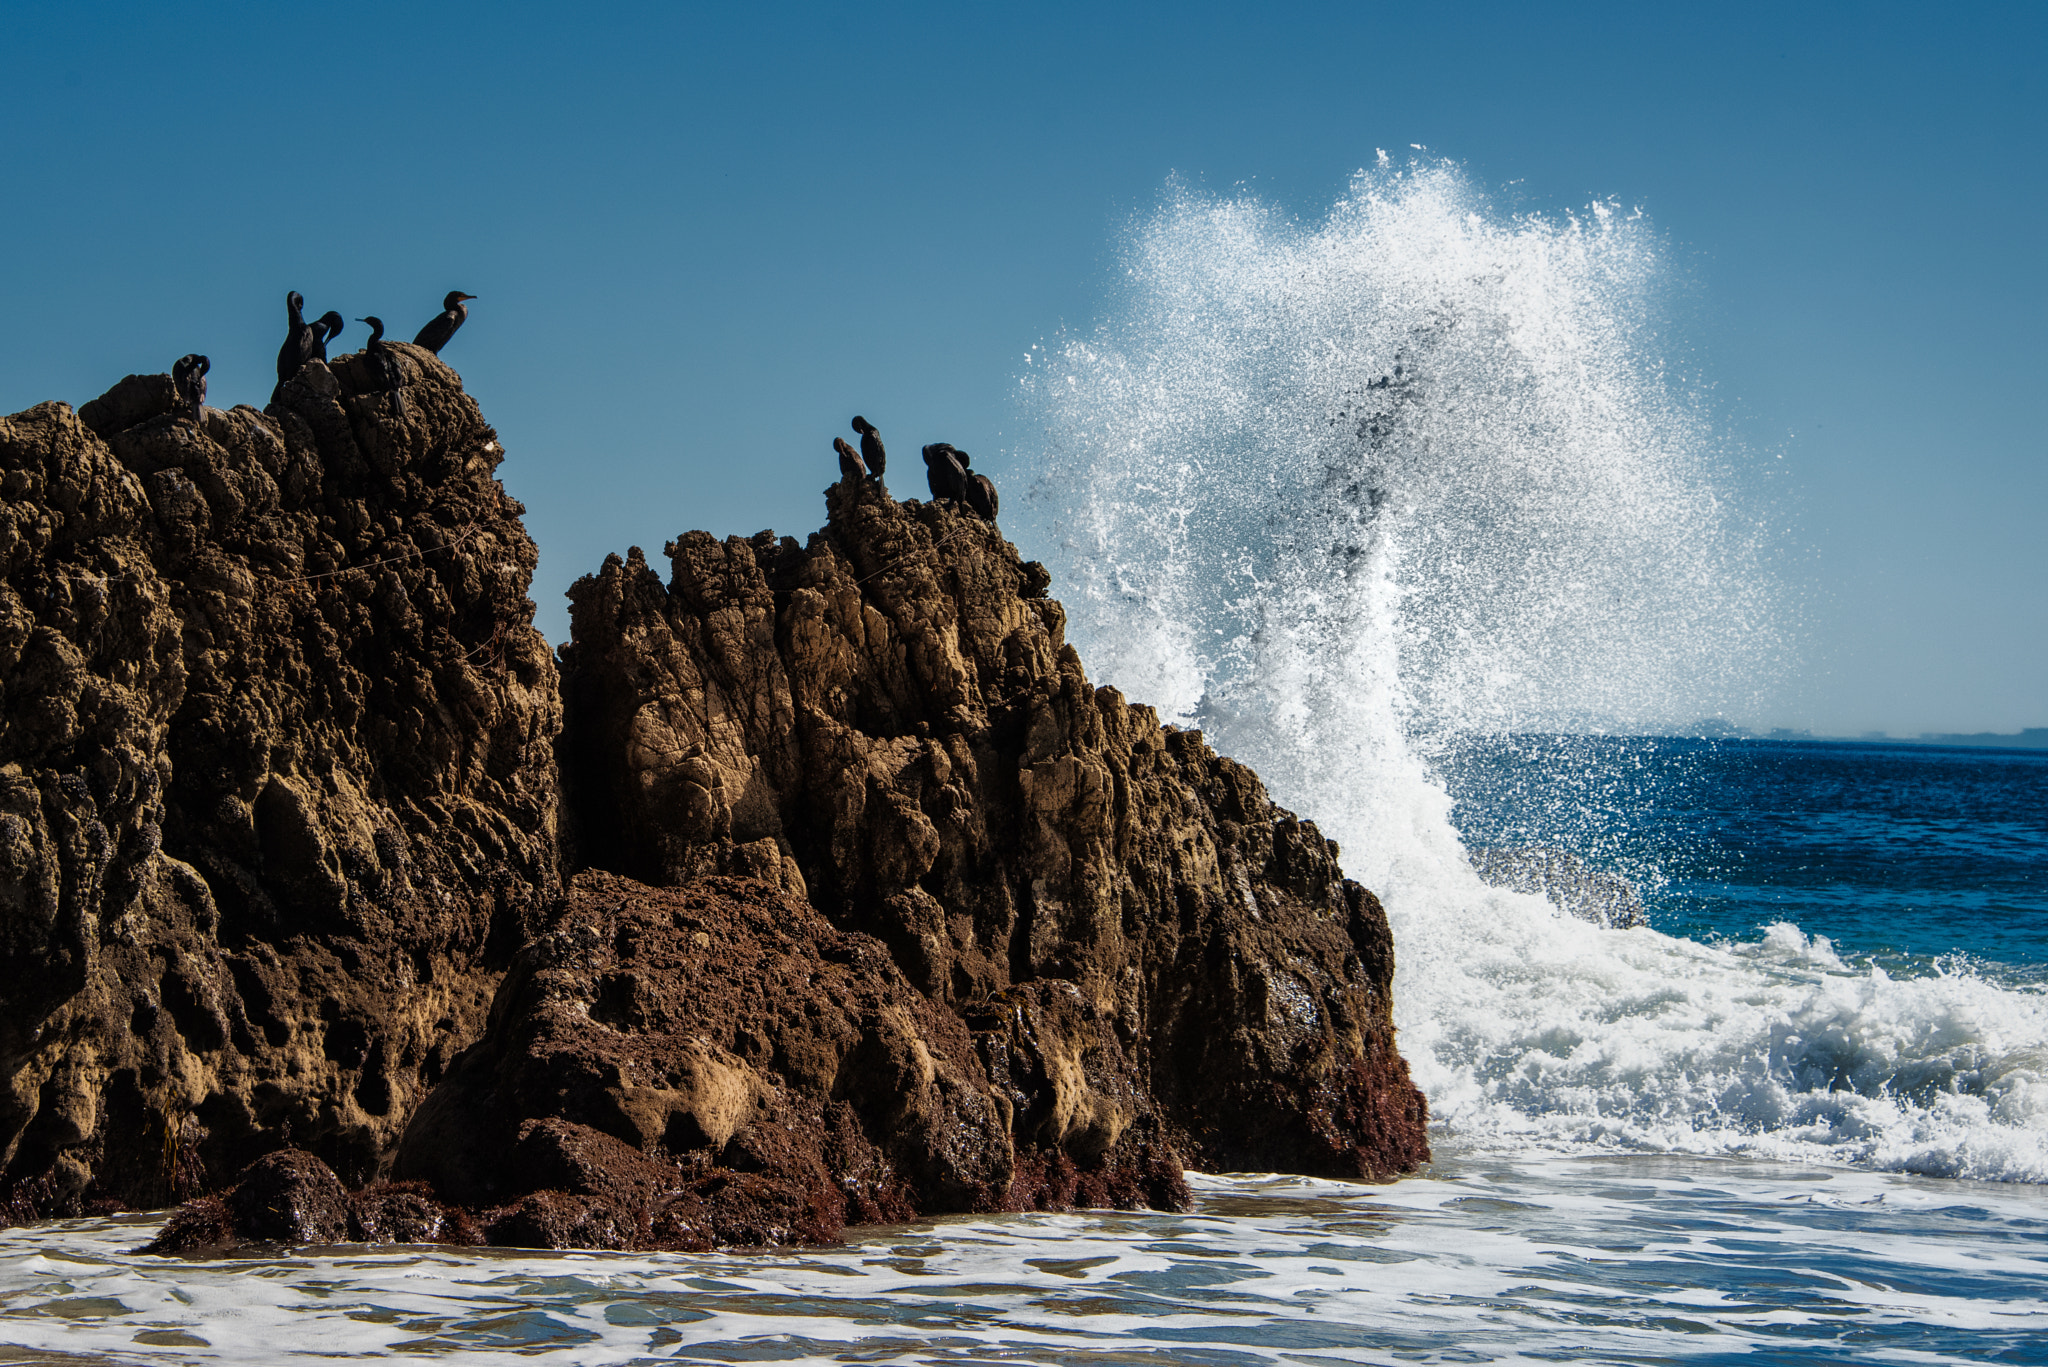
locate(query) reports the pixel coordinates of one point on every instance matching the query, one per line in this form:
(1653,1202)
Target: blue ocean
(1913,857)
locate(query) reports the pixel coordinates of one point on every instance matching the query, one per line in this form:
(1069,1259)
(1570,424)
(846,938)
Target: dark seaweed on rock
(883,909)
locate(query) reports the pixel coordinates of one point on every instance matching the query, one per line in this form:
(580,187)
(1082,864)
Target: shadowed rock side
(277,787)
(889,723)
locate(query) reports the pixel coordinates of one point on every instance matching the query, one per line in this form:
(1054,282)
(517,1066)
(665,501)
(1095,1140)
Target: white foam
(1541,1259)
(1336,567)
(1525,1027)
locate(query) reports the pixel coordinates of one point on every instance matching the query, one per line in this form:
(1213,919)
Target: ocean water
(1604,1260)
(1917,858)
(1845,961)
(1415,509)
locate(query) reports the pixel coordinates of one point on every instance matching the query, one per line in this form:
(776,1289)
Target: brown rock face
(291,1197)
(277,787)
(717,1064)
(888,722)
(884,910)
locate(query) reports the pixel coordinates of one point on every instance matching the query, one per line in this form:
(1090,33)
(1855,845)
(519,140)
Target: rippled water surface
(1906,852)
(1634,1259)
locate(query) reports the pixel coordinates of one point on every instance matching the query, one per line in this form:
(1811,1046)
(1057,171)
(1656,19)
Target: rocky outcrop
(888,722)
(290,1197)
(277,787)
(718,1063)
(852,900)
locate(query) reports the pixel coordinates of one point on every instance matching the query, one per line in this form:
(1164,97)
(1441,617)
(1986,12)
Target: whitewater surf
(1348,494)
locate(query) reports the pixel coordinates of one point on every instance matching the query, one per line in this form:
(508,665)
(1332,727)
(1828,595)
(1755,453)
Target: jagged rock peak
(276,775)
(889,722)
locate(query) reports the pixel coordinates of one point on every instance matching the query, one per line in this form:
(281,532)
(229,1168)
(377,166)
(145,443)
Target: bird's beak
(469,296)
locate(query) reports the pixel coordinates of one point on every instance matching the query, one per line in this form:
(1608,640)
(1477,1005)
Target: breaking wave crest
(1344,492)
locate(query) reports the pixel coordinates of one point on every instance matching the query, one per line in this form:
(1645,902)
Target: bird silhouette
(327,327)
(188,382)
(981,496)
(298,341)
(850,466)
(871,453)
(442,326)
(384,364)
(943,474)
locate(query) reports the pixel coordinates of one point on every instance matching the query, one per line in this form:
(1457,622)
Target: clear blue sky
(702,236)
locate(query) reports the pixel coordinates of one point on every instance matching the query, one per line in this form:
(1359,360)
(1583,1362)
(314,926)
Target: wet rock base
(714,1065)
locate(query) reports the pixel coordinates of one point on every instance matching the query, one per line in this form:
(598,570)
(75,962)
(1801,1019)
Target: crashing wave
(1346,492)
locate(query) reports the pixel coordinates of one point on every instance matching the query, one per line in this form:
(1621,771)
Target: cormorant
(326,328)
(943,473)
(850,466)
(981,495)
(303,341)
(298,340)
(188,382)
(871,453)
(442,326)
(384,363)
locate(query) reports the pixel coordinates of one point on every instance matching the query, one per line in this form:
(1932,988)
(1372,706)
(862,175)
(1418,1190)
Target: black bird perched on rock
(871,453)
(298,340)
(981,496)
(850,466)
(943,473)
(980,489)
(325,329)
(303,341)
(442,326)
(188,382)
(384,363)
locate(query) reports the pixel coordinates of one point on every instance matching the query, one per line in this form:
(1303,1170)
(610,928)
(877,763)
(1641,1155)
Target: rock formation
(718,1064)
(277,787)
(889,722)
(855,899)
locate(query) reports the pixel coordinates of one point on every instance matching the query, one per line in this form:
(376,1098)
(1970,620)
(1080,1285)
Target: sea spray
(1348,493)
